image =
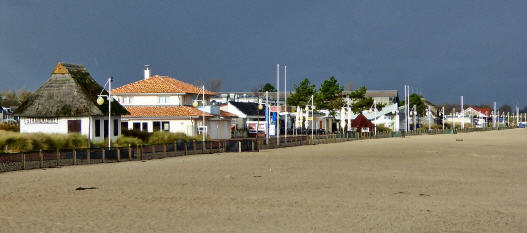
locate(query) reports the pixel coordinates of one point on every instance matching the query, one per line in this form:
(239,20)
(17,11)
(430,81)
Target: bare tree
(348,86)
(214,84)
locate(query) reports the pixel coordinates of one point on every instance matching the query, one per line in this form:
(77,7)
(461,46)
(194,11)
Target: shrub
(17,142)
(382,128)
(143,135)
(125,141)
(9,126)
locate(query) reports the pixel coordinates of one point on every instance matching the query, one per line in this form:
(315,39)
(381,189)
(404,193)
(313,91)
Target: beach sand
(413,184)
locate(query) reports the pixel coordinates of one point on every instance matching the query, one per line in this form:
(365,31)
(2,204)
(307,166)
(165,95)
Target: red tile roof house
(164,103)
(361,124)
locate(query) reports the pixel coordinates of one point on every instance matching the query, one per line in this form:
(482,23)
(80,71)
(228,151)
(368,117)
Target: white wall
(148,100)
(60,126)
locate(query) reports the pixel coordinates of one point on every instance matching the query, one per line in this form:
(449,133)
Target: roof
(361,121)
(164,111)
(249,109)
(69,92)
(484,111)
(160,84)
(227,114)
(381,93)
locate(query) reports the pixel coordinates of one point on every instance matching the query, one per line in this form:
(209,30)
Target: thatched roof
(69,92)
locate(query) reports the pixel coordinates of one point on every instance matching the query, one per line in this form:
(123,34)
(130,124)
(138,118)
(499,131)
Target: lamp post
(267,116)
(195,104)
(260,107)
(443,117)
(375,117)
(312,116)
(100,101)
(415,117)
(428,113)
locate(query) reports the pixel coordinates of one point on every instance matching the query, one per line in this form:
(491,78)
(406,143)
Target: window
(163,99)
(137,126)
(115,127)
(157,126)
(97,128)
(74,126)
(128,99)
(105,128)
(166,125)
(145,126)
(124,126)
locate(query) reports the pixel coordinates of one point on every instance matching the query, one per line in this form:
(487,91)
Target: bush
(125,141)
(19,142)
(143,135)
(10,127)
(382,128)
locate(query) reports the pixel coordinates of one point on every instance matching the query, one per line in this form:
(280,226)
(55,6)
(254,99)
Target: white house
(164,103)
(66,103)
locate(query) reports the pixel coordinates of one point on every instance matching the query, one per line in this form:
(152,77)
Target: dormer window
(128,99)
(164,99)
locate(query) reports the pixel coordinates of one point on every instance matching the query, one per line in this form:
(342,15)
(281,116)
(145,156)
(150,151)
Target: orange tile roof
(164,111)
(160,84)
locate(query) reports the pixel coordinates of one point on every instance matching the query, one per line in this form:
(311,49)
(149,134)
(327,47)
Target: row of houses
(68,102)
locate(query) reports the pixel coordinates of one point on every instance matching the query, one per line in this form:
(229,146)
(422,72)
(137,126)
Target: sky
(443,48)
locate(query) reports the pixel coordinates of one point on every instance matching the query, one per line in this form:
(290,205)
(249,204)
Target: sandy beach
(413,184)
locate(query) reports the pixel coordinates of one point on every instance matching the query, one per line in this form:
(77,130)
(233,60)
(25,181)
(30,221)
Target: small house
(67,103)
(361,124)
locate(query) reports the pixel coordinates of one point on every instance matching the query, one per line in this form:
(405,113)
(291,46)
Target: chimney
(147,72)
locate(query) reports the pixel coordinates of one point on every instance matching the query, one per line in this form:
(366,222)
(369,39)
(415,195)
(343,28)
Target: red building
(361,124)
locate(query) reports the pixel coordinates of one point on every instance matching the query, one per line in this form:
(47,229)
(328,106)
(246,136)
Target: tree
(348,86)
(329,96)
(416,100)
(11,98)
(360,101)
(213,84)
(268,87)
(302,94)
(505,108)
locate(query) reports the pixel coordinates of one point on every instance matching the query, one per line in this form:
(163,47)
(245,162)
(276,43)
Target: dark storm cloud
(445,48)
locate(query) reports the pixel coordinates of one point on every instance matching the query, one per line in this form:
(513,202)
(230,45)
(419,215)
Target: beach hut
(67,103)
(361,124)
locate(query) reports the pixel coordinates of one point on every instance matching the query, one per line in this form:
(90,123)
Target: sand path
(413,184)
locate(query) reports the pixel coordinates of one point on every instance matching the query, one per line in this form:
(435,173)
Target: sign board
(275,108)
(37,121)
(251,125)
(272,130)
(202,129)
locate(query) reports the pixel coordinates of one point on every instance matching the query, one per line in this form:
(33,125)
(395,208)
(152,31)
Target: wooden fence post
(239,146)
(252,146)
(41,158)
(74,157)
(210,143)
(23,155)
(194,145)
(58,157)
(118,154)
(88,151)
(185,148)
(129,152)
(103,154)
(165,150)
(141,152)
(153,151)
(175,149)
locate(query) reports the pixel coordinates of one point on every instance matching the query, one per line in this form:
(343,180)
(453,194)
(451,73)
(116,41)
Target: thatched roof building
(69,92)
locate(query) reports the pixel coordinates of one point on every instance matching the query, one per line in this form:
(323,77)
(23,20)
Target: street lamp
(260,107)
(100,101)
(312,116)
(195,104)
